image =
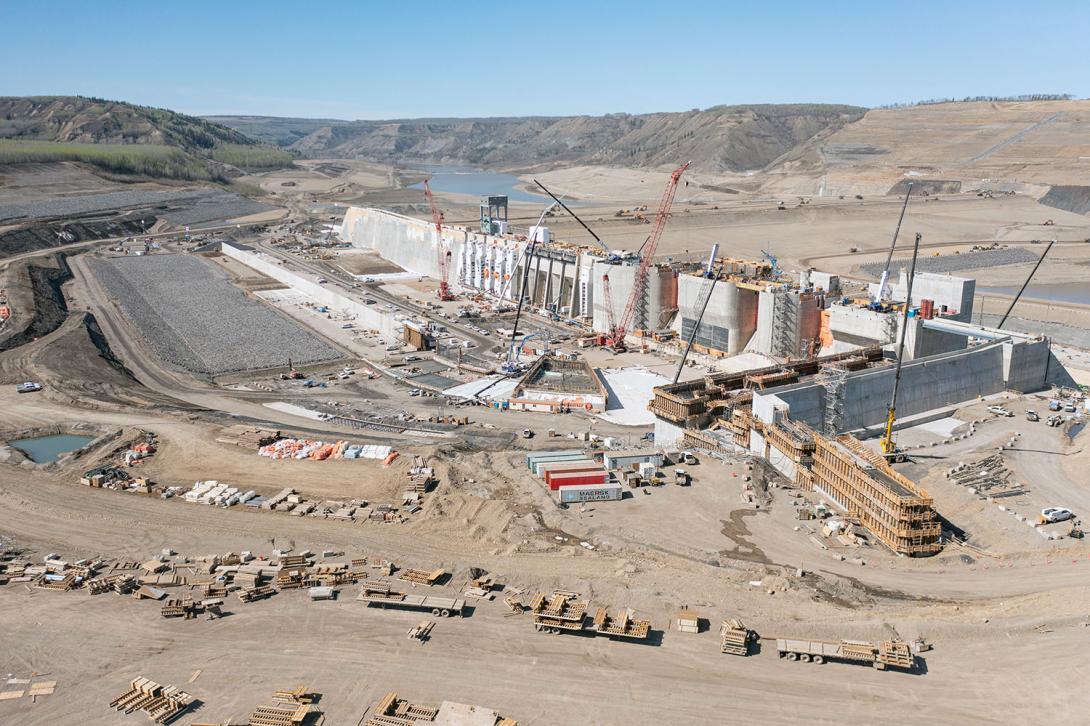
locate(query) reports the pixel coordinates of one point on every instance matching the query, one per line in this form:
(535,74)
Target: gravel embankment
(185,207)
(194,318)
(956,263)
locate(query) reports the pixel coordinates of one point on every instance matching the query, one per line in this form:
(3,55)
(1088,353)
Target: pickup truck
(28,387)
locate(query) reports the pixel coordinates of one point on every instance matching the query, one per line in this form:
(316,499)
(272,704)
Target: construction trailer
(382,595)
(616,460)
(882,655)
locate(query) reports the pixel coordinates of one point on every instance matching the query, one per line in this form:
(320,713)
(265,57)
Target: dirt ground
(1006,613)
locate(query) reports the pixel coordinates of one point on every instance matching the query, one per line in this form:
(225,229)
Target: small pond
(46,449)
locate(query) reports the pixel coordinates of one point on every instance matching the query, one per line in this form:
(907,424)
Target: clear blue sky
(422,58)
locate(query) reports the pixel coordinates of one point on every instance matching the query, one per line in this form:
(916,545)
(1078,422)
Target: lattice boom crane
(618,332)
(443,293)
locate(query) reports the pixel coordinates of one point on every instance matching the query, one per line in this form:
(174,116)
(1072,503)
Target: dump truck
(886,654)
(375,593)
(558,612)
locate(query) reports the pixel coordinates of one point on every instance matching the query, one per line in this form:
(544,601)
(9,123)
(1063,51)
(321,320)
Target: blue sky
(422,58)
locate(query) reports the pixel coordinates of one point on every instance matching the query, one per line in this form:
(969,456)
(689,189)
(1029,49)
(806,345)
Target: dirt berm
(50,308)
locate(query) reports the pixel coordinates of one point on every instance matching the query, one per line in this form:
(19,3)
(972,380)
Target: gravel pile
(192,207)
(194,318)
(956,263)
(214,206)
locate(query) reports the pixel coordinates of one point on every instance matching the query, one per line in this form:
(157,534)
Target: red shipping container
(589,477)
(582,470)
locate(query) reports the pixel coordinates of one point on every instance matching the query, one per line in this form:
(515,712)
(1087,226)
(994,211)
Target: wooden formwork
(560,611)
(889,505)
(256,593)
(392,711)
(734,637)
(623,626)
(422,577)
(163,704)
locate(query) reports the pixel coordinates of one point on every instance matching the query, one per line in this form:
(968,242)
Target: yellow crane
(889,447)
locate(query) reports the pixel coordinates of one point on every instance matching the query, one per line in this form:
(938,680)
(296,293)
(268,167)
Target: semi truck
(886,654)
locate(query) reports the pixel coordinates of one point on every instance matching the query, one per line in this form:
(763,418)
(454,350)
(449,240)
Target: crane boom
(702,300)
(889,447)
(443,293)
(608,293)
(618,332)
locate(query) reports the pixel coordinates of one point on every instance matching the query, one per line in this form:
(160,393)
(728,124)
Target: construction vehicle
(558,613)
(443,293)
(381,594)
(889,447)
(1032,416)
(618,332)
(883,655)
(735,638)
(292,374)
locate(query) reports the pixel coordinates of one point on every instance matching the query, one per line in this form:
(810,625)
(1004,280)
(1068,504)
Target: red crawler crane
(443,293)
(618,332)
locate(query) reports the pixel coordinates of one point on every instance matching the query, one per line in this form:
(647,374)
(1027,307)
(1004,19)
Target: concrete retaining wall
(926,384)
(365,315)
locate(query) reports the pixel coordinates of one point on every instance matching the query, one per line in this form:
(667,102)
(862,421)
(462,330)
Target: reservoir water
(1059,292)
(475,182)
(46,449)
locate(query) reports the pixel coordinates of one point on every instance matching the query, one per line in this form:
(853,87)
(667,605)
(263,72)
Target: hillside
(126,138)
(1021,146)
(275,130)
(723,138)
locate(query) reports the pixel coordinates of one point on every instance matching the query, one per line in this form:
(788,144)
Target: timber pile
(394,711)
(162,704)
(420,577)
(624,626)
(988,477)
(391,711)
(421,631)
(258,592)
(734,637)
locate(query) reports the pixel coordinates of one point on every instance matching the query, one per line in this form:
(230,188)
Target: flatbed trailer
(558,612)
(886,654)
(382,595)
(624,626)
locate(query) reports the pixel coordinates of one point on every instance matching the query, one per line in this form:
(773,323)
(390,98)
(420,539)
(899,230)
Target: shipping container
(590,493)
(540,454)
(554,480)
(546,466)
(532,460)
(578,477)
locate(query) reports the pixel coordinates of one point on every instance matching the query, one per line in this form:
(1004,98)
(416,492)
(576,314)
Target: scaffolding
(832,380)
(785,325)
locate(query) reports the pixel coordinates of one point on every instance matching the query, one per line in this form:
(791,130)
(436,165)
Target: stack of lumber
(421,577)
